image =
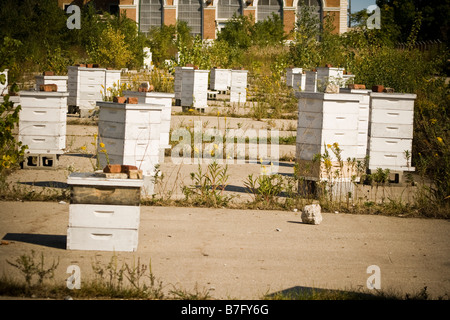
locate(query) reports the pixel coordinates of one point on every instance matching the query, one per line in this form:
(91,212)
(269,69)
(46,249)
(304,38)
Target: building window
(267,7)
(150,14)
(191,12)
(227,8)
(315,7)
(114,9)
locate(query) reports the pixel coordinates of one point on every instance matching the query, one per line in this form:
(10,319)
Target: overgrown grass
(136,280)
(111,281)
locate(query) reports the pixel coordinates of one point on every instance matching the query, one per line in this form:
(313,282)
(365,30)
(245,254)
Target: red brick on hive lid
(48,87)
(356,86)
(113,168)
(132,100)
(377,88)
(119,99)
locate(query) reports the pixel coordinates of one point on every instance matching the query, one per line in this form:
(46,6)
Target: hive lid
(89,178)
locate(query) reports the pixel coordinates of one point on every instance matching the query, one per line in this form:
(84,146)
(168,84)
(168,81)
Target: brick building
(206,17)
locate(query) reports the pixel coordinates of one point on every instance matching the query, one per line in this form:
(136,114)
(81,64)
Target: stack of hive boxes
(238,90)
(86,85)
(165,100)
(327,121)
(363,119)
(129,134)
(220,79)
(42,126)
(178,83)
(194,88)
(390,131)
(104,212)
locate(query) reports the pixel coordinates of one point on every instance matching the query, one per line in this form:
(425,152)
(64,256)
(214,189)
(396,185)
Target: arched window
(191,12)
(266,7)
(227,8)
(315,5)
(150,14)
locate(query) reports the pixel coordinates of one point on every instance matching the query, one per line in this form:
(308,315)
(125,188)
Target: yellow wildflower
(439,139)
(216,146)
(83,148)
(433,121)
(102,145)
(329,146)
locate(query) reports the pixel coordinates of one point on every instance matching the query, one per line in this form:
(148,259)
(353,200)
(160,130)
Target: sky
(358,5)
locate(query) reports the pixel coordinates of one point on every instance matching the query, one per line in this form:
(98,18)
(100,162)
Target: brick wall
(209,23)
(288,20)
(170,16)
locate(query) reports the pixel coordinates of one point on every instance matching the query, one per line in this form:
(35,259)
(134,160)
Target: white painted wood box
(160,98)
(195,88)
(329,75)
(112,77)
(42,121)
(131,134)
(178,81)
(363,118)
(325,119)
(60,81)
(311,81)
(299,82)
(290,72)
(85,86)
(238,90)
(98,225)
(220,79)
(391,131)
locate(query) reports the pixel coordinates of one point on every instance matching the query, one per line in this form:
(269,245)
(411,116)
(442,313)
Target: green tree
(304,47)
(270,31)
(237,32)
(111,49)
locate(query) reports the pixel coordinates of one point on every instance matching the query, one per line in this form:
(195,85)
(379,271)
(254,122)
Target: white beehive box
(131,136)
(147,58)
(112,77)
(4,87)
(238,90)
(325,119)
(299,82)
(178,81)
(60,81)
(85,86)
(94,224)
(160,98)
(290,72)
(42,121)
(391,131)
(363,119)
(220,79)
(310,81)
(195,88)
(329,75)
